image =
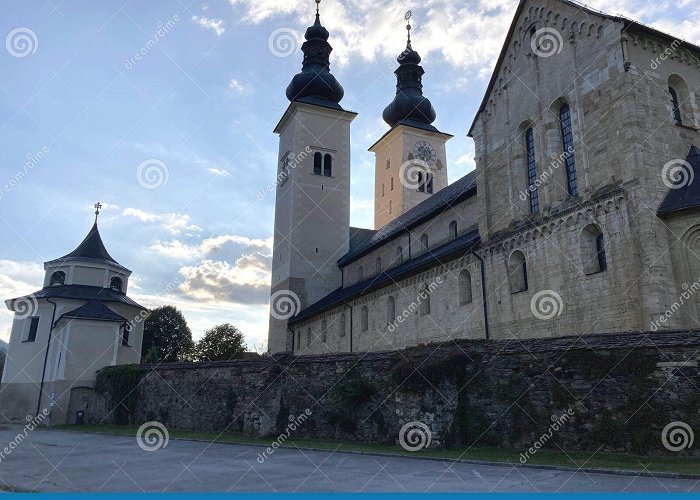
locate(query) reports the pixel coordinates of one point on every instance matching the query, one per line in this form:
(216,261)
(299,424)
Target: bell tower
(411,162)
(312,205)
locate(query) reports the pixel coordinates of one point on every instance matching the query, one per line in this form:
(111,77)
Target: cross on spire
(97,206)
(318,2)
(408,17)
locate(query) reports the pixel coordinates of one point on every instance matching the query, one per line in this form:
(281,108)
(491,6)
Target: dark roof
(95,310)
(439,254)
(91,249)
(79,292)
(359,237)
(435,204)
(628,23)
(687,192)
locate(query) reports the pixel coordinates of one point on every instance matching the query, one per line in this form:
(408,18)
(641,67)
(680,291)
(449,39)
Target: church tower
(312,206)
(410,158)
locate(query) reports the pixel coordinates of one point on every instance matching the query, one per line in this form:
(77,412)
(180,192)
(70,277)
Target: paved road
(67,461)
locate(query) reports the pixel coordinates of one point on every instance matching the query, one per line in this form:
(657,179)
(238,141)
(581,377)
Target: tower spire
(408,17)
(98,207)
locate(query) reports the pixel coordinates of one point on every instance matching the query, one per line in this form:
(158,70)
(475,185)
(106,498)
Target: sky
(164,111)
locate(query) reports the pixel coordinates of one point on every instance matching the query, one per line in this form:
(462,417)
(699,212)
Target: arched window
(399,255)
(126,333)
(465,287)
(324,330)
(308,337)
(453,230)
(364,318)
(360,273)
(675,106)
(567,135)
(341,325)
(390,310)
(593,255)
(517,272)
(378,265)
(532,171)
(424,297)
(421,182)
(116,283)
(327,165)
(318,163)
(57,278)
(424,243)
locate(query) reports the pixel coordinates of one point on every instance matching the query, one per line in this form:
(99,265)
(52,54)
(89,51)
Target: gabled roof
(94,310)
(460,245)
(627,23)
(687,193)
(91,249)
(434,205)
(77,292)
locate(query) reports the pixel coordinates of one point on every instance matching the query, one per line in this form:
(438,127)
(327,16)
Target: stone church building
(582,215)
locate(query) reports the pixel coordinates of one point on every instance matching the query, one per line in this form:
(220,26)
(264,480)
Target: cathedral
(582,215)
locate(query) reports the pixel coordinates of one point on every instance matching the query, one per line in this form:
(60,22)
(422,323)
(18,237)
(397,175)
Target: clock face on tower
(425,151)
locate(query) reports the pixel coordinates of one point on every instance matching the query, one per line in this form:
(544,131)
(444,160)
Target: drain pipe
(46,357)
(483,294)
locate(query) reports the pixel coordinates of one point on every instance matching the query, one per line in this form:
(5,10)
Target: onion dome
(409,105)
(315,79)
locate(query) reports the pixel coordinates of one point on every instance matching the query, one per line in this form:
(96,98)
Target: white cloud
(237,85)
(179,250)
(215,25)
(173,223)
(466,160)
(16,279)
(219,172)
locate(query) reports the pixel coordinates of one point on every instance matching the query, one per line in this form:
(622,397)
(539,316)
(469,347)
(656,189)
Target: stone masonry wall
(621,390)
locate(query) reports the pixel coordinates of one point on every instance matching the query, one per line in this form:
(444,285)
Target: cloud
(179,250)
(178,153)
(237,85)
(466,160)
(215,25)
(17,279)
(221,173)
(173,223)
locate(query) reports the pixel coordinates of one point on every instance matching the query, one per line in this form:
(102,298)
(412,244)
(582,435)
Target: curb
(590,470)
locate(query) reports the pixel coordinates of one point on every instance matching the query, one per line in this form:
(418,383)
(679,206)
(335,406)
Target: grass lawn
(589,460)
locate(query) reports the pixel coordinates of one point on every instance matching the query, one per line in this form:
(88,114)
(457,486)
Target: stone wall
(622,390)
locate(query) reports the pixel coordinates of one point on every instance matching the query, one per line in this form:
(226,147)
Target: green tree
(166,330)
(221,343)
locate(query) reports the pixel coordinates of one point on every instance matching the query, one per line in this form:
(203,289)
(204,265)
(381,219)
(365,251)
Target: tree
(221,343)
(166,330)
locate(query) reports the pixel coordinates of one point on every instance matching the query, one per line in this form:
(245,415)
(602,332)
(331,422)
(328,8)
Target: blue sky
(196,111)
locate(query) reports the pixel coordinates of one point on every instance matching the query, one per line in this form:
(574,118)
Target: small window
(341,325)
(360,273)
(382,189)
(388,164)
(389,206)
(517,272)
(568,141)
(57,278)
(424,242)
(399,255)
(33,328)
(453,230)
(318,163)
(391,184)
(364,318)
(328,165)
(324,330)
(390,310)
(116,284)
(424,297)
(308,337)
(299,340)
(421,182)
(593,255)
(126,333)
(676,107)
(378,265)
(465,287)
